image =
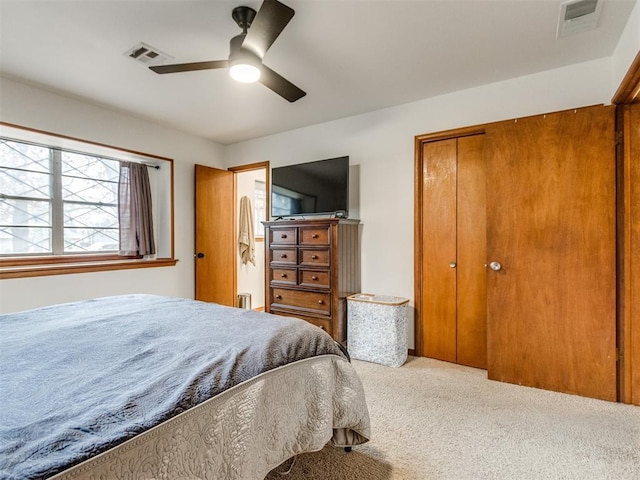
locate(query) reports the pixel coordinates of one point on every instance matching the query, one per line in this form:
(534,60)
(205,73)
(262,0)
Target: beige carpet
(434,420)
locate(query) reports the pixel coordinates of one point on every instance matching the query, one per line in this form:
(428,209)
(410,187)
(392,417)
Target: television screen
(313,188)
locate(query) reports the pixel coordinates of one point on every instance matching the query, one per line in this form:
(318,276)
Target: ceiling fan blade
(280,85)
(189,67)
(271,19)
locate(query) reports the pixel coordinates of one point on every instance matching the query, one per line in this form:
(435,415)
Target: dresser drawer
(315,278)
(314,235)
(283,235)
(315,257)
(323,323)
(286,276)
(283,255)
(298,300)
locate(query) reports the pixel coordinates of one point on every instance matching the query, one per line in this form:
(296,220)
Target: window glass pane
(97,240)
(16,218)
(259,206)
(87,166)
(17,183)
(22,240)
(24,156)
(89,179)
(90,227)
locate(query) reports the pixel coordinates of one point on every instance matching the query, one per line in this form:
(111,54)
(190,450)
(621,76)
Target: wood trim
(417,246)
(629,89)
(55,259)
(89,142)
(41,270)
(623,228)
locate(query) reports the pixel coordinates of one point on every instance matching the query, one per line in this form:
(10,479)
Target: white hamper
(377,328)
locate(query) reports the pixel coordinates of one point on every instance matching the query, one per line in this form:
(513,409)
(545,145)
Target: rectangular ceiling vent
(578,16)
(146,54)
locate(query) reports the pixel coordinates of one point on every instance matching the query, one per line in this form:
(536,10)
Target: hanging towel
(246,240)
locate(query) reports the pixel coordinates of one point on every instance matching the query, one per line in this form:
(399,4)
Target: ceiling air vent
(578,16)
(146,54)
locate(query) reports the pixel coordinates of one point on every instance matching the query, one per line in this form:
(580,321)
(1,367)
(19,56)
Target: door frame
(418,274)
(628,316)
(241,169)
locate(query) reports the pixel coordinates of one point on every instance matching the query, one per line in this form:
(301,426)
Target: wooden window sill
(43,269)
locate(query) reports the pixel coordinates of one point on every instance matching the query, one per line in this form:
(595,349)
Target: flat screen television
(313,188)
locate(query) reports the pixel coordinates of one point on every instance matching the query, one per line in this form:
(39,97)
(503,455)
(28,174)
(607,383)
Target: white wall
(36,108)
(250,278)
(627,48)
(382,144)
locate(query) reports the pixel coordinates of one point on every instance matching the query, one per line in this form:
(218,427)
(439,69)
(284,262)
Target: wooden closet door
(439,249)
(454,251)
(471,298)
(631,329)
(551,226)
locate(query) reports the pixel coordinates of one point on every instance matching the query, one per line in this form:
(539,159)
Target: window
(59,205)
(260,208)
(56,202)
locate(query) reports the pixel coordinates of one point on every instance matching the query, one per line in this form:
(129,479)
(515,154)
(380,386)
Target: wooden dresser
(311,267)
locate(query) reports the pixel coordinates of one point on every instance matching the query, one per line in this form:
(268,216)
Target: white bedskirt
(246,431)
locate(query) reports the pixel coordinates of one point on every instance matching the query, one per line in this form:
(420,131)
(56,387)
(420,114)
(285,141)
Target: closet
(548,281)
(453,224)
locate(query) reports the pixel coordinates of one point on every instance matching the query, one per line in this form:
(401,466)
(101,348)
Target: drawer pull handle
(322,327)
(283,275)
(284,255)
(284,235)
(314,257)
(314,278)
(278,297)
(320,302)
(315,235)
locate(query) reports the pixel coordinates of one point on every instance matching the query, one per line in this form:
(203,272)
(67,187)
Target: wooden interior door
(215,278)
(454,251)
(551,306)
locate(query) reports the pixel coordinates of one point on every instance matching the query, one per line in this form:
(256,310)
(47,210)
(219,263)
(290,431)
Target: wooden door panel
(439,249)
(214,236)
(551,224)
(471,237)
(632,323)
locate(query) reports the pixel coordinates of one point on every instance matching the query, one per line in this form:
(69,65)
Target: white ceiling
(349,56)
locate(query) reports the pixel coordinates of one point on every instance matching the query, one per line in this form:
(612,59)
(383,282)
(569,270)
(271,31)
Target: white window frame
(38,264)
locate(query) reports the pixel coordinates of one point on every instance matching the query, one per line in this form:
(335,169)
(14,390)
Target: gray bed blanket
(79,378)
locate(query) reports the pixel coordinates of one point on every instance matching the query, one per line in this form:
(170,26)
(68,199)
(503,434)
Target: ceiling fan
(248,49)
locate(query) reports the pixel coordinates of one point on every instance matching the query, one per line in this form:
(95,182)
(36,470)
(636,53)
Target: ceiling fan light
(245,72)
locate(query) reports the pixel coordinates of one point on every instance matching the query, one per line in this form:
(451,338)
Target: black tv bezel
(341,213)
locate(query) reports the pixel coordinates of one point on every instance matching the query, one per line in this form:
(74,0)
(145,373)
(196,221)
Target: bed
(151,387)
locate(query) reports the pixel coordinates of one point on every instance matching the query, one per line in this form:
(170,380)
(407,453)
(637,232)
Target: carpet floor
(434,420)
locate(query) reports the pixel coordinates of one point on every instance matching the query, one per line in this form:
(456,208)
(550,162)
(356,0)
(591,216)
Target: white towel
(246,240)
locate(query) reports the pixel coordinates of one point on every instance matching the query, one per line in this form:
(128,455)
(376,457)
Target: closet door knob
(452,264)
(495,266)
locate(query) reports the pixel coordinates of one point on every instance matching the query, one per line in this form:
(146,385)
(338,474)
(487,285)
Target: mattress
(146,387)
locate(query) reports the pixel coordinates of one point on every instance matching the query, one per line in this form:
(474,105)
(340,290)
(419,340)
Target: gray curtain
(134,210)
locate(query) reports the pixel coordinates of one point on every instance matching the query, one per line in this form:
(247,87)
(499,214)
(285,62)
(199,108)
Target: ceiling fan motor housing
(243,16)
(237,54)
